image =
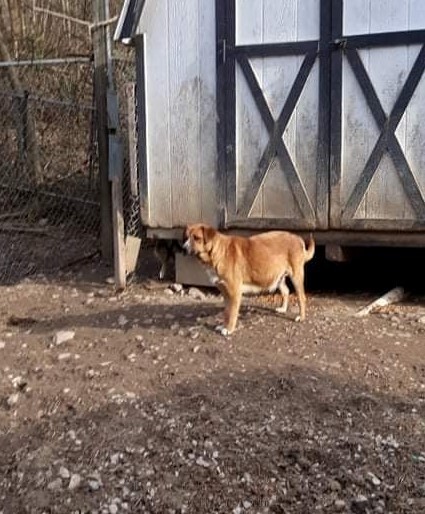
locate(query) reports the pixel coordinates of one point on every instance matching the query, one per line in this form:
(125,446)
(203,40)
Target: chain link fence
(125,80)
(49,187)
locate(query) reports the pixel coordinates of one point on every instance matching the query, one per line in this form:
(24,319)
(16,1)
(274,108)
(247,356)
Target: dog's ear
(209,233)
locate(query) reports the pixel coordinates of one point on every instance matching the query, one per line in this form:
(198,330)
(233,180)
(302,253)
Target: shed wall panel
(388,69)
(276,21)
(181,112)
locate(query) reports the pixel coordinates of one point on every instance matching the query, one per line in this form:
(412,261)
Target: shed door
(378,103)
(275,158)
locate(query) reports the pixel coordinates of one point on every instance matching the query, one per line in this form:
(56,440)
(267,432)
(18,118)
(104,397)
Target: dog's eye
(196,238)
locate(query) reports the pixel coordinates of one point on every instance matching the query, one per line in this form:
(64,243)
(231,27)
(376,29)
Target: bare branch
(91,26)
(62,16)
(103,23)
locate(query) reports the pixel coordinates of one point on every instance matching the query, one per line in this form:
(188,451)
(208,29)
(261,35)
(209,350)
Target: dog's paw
(222,330)
(298,319)
(281,310)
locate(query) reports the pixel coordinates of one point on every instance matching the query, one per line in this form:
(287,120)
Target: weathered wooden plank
(384,188)
(307,110)
(279,74)
(275,144)
(324,117)
(409,233)
(276,49)
(251,133)
(398,173)
(154,22)
(184,110)
(229,149)
(335,171)
(101,12)
(388,72)
(415,112)
(384,39)
(225,112)
(115,174)
(207,146)
(141,109)
(132,249)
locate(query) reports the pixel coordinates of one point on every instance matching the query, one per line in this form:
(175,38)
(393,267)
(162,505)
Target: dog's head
(198,240)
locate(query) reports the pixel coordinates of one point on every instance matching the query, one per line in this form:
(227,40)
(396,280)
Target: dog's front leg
(221,286)
(235,297)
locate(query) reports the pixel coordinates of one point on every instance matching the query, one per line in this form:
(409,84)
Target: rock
(2,345)
(110,280)
(74,482)
(200,461)
(90,373)
(62,336)
(422,320)
(246,504)
(64,356)
(195,293)
(339,505)
(56,485)
(115,458)
(94,485)
(359,504)
(177,288)
(63,472)
(168,292)
(96,477)
(373,478)
(122,320)
(113,509)
(334,485)
(13,400)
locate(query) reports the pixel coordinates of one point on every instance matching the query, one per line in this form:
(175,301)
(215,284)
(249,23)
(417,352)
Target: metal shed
(295,114)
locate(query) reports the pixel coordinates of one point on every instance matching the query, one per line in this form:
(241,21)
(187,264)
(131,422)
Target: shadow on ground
(289,440)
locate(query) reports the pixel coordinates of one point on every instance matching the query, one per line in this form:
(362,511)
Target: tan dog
(260,263)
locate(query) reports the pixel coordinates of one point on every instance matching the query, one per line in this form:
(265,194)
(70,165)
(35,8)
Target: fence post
(100,36)
(132,242)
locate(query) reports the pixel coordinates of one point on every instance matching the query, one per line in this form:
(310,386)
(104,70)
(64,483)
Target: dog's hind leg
(298,281)
(284,291)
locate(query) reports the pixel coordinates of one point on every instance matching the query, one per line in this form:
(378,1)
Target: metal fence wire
(49,187)
(125,79)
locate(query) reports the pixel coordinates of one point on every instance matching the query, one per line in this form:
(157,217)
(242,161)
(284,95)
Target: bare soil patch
(147,409)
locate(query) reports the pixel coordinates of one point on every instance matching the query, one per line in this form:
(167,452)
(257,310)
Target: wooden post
(115,176)
(132,243)
(101,62)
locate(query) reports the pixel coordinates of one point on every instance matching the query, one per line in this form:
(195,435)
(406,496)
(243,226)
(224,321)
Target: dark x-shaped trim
(387,139)
(276,145)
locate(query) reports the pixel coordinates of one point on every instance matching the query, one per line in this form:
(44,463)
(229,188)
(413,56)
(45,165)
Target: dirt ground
(145,408)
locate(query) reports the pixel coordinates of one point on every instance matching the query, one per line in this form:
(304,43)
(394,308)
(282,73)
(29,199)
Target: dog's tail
(309,249)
